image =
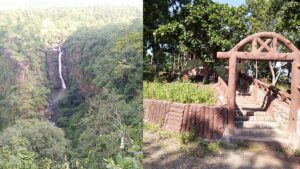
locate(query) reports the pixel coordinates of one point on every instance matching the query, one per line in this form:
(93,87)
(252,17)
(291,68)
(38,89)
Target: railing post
(255,89)
(295,97)
(231,92)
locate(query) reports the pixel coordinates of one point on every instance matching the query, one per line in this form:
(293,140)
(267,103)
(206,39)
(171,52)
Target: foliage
(297,153)
(112,107)
(188,137)
(208,148)
(132,159)
(179,92)
(44,139)
(17,154)
(197,28)
(103,47)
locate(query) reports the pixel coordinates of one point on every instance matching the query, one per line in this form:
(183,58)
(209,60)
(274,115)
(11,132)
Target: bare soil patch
(164,150)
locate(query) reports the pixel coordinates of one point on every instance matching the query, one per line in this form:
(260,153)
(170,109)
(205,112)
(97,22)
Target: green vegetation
(179,92)
(297,153)
(208,148)
(183,34)
(103,101)
(188,137)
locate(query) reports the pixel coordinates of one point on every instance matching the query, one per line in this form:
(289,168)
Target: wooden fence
(208,121)
(222,86)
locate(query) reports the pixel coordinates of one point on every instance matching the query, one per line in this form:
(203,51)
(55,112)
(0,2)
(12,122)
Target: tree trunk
(274,76)
(173,65)
(256,70)
(272,73)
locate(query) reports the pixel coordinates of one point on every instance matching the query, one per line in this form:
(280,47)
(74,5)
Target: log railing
(283,96)
(223,86)
(208,121)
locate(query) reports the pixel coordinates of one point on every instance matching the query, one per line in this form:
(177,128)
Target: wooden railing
(208,121)
(223,86)
(283,96)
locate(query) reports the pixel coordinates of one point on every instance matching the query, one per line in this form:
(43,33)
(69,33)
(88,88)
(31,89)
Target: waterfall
(63,85)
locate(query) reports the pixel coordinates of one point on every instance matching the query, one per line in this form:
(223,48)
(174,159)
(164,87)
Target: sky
(231,2)
(12,4)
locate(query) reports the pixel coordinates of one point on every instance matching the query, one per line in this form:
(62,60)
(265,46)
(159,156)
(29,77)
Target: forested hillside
(96,121)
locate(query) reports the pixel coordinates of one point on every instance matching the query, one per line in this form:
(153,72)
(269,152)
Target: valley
(70,91)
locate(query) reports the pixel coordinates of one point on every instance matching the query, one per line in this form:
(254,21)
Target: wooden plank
(176,114)
(222,121)
(269,56)
(188,119)
(185,118)
(197,122)
(206,122)
(174,123)
(215,122)
(150,112)
(193,122)
(178,105)
(201,120)
(210,121)
(174,118)
(176,109)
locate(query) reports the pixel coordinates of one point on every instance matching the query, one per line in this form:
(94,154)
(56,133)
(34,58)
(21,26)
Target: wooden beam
(254,45)
(258,55)
(274,44)
(264,45)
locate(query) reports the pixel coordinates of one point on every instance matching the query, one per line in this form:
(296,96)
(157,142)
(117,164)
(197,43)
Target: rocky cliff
(52,68)
(73,59)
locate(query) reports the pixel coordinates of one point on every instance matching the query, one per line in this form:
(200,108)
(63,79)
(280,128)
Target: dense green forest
(98,117)
(176,31)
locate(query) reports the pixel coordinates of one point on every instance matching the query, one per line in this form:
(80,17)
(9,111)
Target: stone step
(247,104)
(260,132)
(253,118)
(252,113)
(256,124)
(253,106)
(269,141)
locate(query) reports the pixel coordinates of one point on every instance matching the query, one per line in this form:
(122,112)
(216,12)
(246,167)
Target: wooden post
(231,92)
(255,89)
(295,96)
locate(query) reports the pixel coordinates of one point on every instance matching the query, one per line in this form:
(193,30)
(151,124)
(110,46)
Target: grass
(297,153)
(162,134)
(179,92)
(151,127)
(198,146)
(205,148)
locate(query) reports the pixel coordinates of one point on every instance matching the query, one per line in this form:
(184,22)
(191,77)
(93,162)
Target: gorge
(70,87)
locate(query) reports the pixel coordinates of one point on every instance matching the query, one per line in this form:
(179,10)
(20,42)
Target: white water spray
(63,85)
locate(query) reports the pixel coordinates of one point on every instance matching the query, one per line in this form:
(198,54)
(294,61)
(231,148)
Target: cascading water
(63,85)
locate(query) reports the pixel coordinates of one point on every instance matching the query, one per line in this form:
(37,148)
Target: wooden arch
(264,46)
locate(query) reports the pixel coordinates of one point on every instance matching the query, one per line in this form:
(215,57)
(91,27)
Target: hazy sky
(231,2)
(10,4)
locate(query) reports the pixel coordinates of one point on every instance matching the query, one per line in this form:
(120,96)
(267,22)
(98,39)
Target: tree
(275,16)
(44,139)
(204,28)
(17,154)
(157,13)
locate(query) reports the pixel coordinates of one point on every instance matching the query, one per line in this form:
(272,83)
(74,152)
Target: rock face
(52,68)
(73,59)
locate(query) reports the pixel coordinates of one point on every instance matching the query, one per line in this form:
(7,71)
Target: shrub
(208,149)
(179,92)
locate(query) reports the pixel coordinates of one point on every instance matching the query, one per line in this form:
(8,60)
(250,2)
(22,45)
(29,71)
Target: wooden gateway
(264,46)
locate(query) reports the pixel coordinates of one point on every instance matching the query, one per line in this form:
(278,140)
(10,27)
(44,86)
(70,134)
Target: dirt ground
(167,152)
